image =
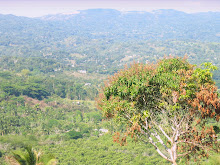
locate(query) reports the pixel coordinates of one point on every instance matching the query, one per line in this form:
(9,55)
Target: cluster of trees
(33,64)
(40,86)
(22,115)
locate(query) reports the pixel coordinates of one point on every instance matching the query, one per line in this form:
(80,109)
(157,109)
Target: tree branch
(164,133)
(187,153)
(159,139)
(157,149)
(154,144)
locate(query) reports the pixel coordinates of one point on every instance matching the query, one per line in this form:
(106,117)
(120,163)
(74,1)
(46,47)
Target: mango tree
(168,104)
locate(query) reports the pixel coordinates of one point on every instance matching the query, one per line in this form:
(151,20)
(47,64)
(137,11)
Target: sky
(37,8)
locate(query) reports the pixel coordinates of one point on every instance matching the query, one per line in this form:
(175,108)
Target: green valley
(52,69)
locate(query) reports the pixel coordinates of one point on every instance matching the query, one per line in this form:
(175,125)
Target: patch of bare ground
(42,104)
(32,102)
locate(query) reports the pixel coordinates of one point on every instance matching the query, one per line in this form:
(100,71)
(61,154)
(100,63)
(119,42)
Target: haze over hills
(113,24)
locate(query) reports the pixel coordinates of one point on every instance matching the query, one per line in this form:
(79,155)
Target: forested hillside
(53,67)
(113,24)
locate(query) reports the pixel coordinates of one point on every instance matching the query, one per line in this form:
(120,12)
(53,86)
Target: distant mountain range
(116,25)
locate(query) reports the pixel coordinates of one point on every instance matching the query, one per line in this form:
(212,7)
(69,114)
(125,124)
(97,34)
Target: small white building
(102,130)
(82,71)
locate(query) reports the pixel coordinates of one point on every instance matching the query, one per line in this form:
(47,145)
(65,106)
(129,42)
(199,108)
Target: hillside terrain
(52,68)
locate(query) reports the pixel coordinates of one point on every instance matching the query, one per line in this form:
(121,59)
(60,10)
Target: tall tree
(167,104)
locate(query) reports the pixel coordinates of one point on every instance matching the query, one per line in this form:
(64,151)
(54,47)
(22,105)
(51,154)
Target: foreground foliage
(30,157)
(168,105)
(96,150)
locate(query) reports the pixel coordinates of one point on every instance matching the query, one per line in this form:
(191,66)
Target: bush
(75,135)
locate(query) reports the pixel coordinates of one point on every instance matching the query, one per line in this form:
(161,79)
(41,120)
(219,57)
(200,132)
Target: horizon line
(120,10)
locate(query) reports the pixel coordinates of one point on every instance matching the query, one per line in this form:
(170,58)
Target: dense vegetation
(51,69)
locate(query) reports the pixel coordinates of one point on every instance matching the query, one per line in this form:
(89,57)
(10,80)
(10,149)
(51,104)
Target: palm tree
(30,157)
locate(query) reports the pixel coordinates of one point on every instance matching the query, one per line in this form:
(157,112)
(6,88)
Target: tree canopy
(168,104)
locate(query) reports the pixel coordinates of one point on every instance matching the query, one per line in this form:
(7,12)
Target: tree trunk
(174,163)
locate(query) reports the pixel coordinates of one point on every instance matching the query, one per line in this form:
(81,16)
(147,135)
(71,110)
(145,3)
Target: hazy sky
(35,8)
